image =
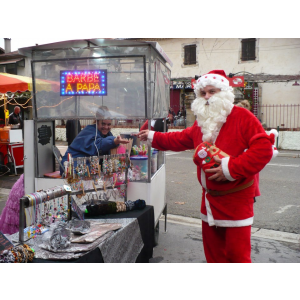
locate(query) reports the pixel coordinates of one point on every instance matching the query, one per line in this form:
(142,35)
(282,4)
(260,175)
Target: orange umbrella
(13,83)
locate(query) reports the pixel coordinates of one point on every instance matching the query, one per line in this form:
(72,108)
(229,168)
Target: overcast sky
(17,43)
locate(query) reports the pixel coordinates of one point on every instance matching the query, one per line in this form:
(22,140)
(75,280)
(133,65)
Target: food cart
(130,78)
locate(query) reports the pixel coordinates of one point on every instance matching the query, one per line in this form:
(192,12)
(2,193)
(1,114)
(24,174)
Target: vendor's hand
(143,135)
(118,140)
(219,175)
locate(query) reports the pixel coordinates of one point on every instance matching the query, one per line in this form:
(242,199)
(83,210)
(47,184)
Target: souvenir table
(126,247)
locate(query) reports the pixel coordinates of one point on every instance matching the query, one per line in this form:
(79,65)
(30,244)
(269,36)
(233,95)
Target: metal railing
(284,116)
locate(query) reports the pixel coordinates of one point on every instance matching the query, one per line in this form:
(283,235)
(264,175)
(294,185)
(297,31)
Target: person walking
(231,147)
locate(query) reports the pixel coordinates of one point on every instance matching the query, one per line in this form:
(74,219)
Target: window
(11,69)
(248,49)
(190,55)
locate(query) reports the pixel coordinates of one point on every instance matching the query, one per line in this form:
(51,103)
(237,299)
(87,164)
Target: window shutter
(190,55)
(248,49)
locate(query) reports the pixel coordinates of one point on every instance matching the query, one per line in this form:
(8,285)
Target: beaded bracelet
(21,251)
(30,252)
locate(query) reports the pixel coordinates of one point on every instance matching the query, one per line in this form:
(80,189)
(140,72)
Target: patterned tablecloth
(121,246)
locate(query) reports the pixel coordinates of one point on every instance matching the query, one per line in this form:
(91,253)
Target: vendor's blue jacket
(84,144)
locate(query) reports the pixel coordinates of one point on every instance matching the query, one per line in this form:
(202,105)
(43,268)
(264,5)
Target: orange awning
(13,83)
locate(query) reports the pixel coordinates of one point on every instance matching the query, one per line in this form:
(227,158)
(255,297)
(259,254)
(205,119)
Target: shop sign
(237,81)
(87,83)
(181,86)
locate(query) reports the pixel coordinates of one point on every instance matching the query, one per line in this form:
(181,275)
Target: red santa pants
(226,244)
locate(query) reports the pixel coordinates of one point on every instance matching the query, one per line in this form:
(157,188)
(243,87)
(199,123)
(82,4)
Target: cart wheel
(156,234)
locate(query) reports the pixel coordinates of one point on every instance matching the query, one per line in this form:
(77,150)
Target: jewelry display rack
(60,191)
(51,194)
(90,177)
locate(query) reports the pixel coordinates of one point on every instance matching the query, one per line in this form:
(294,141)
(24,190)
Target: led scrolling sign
(83,83)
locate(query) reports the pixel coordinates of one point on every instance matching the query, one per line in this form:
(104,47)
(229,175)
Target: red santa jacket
(145,126)
(241,131)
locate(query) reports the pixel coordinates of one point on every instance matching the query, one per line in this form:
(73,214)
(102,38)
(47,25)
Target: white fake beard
(211,117)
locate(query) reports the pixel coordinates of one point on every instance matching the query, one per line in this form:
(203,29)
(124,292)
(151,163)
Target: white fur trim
(151,135)
(203,179)
(232,223)
(210,218)
(275,152)
(224,163)
(215,80)
(203,217)
(229,223)
(150,138)
(275,132)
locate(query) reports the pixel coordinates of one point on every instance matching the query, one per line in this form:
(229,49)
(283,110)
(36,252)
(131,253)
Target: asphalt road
(278,207)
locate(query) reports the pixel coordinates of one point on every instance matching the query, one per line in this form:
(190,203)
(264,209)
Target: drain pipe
(277,137)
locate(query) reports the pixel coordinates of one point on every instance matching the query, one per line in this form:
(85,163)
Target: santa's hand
(118,140)
(143,135)
(219,175)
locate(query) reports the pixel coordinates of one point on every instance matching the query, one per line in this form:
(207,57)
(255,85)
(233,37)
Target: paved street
(182,243)
(278,207)
(275,233)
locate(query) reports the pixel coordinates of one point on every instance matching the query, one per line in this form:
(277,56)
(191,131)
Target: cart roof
(94,42)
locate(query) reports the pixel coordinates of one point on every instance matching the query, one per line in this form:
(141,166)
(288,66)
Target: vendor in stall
(15,117)
(96,139)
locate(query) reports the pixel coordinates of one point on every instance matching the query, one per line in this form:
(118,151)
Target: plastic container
(139,167)
(154,161)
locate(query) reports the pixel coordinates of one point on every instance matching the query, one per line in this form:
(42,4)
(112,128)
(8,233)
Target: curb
(4,191)
(294,155)
(255,232)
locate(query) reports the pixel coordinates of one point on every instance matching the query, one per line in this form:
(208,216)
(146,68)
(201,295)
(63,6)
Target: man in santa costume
(231,147)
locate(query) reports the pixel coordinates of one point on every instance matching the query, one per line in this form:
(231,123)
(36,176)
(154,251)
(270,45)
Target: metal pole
(6,112)
(184,104)
(277,137)
(22,218)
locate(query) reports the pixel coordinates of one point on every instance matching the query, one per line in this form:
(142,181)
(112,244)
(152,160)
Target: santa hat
(216,78)
(274,134)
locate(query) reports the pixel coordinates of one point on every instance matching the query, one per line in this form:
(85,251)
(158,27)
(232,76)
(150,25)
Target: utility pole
(6,112)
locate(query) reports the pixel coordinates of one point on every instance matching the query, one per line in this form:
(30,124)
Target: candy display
(139,168)
(141,150)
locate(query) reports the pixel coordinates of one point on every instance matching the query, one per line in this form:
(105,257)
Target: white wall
(280,93)
(275,56)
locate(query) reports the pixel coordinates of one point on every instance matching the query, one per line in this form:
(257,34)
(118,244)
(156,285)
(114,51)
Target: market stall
(11,138)
(131,81)
(11,143)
